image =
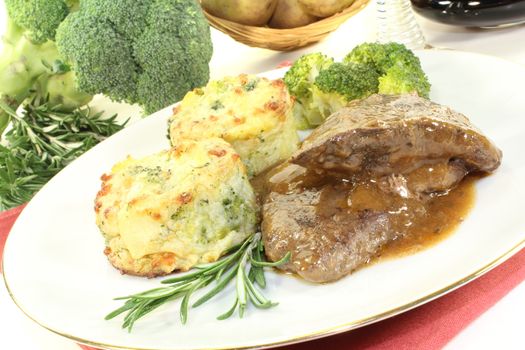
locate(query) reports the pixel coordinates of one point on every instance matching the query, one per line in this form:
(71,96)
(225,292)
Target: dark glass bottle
(472,13)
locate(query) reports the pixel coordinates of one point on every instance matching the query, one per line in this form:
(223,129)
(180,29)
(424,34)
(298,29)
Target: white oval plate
(57,274)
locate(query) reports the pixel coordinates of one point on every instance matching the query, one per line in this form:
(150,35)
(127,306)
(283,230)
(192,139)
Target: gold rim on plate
(319,334)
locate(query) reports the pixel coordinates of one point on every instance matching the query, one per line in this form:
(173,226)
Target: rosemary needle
(41,142)
(247,256)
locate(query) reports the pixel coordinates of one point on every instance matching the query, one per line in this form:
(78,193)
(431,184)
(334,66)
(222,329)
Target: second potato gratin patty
(175,209)
(254,114)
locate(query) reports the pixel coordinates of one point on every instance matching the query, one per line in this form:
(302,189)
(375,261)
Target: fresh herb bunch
(249,256)
(43,141)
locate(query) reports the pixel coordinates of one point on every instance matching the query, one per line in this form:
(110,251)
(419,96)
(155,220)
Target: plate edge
(314,335)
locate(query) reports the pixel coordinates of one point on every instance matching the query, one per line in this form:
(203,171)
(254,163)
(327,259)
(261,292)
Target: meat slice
(324,248)
(385,134)
(371,174)
(331,225)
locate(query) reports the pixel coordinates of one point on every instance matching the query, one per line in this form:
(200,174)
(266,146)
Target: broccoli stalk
(60,88)
(300,79)
(28,55)
(20,66)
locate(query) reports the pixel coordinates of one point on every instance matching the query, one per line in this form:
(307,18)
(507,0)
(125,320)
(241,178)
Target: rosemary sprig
(248,256)
(41,142)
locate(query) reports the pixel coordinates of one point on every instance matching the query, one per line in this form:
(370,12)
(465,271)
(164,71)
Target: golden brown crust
(252,113)
(153,265)
(166,211)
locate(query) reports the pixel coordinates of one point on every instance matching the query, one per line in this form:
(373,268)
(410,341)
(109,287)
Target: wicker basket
(285,39)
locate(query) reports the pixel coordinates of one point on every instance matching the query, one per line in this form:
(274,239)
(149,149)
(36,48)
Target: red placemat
(427,327)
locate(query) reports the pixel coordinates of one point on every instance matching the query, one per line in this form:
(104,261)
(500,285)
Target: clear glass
(396,22)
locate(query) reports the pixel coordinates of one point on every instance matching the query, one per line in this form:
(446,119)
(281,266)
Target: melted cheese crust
(175,209)
(254,114)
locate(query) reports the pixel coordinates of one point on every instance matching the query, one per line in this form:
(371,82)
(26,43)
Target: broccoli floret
(347,82)
(39,18)
(400,80)
(381,56)
(147,52)
(399,68)
(321,86)
(127,16)
(341,83)
(28,45)
(300,79)
(173,51)
(101,57)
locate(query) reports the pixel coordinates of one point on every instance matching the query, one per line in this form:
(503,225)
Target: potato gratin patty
(254,114)
(175,209)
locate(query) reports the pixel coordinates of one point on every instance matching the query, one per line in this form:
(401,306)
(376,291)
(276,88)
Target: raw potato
(325,8)
(254,13)
(290,14)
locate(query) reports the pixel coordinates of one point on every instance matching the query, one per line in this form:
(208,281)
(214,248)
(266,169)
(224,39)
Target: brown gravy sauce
(421,221)
(446,214)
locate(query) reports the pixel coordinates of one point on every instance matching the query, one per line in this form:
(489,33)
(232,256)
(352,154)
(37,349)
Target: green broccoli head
(300,77)
(381,56)
(101,57)
(149,52)
(397,62)
(128,16)
(339,84)
(348,81)
(39,18)
(173,51)
(401,80)
(300,80)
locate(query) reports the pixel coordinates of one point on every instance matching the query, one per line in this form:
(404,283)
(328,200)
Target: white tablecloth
(499,328)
